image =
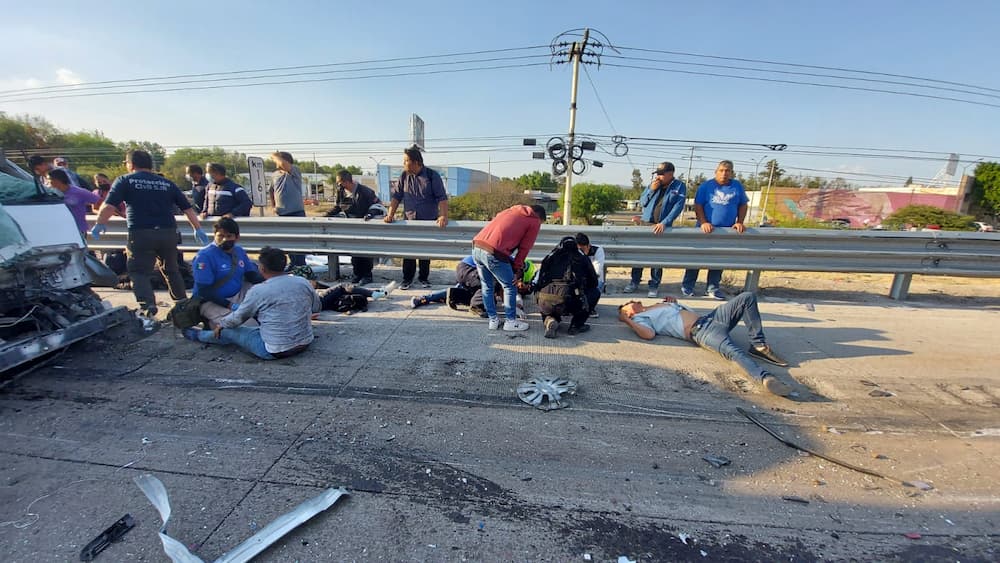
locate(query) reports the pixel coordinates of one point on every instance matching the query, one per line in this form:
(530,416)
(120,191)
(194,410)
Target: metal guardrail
(893,252)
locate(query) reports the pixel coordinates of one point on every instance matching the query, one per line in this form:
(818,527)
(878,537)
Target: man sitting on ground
(711,331)
(566,285)
(283,305)
(223,273)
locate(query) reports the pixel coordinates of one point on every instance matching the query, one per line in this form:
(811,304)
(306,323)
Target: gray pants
(143,248)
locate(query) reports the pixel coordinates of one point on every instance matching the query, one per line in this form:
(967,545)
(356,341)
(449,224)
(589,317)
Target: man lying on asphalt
(711,331)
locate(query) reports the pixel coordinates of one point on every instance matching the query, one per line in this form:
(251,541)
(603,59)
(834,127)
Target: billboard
(417,131)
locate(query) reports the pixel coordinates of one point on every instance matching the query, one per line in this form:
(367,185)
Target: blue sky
(70,42)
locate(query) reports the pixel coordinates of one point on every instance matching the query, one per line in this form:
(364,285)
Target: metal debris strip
(917,484)
(252,546)
(545,393)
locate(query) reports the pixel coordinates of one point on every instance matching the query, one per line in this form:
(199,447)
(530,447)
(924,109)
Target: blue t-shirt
(150,200)
(721,203)
(212,264)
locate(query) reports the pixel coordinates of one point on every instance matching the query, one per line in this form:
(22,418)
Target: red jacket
(512,229)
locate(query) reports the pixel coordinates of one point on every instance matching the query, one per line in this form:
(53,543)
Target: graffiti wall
(862,209)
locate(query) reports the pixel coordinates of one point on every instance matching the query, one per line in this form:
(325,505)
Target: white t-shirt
(665,320)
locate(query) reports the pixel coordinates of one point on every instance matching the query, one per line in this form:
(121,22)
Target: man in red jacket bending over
(499,251)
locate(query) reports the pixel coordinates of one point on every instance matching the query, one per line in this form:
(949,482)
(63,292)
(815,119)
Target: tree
(484,205)
(27,132)
(173,166)
(987,187)
(537,180)
(591,200)
(765,174)
(922,215)
(638,185)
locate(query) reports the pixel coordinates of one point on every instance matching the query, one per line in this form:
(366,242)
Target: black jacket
(568,268)
(354,205)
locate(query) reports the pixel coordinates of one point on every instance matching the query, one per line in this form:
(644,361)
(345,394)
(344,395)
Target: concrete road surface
(414,412)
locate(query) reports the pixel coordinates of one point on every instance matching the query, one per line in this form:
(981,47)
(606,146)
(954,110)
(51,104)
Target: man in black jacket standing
(355,200)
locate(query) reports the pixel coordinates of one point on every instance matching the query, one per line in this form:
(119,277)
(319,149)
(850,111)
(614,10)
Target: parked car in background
(983,227)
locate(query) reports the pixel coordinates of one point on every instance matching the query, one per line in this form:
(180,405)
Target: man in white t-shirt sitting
(711,331)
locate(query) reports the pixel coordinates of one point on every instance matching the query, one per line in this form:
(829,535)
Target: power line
(814,74)
(288,75)
(281,82)
(604,109)
(817,67)
(804,83)
(275,69)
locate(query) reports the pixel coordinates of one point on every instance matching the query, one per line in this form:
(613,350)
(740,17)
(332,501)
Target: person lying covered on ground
(335,298)
(283,305)
(223,273)
(467,290)
(711,331)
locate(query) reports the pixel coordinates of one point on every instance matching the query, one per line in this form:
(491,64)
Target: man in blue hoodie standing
(662,203)
(720,202)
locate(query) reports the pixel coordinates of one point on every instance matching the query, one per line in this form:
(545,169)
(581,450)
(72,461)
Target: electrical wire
(77,90)
(817,67)
(805,83)
(282,82)
(604,109)
(275,69)
(813,74)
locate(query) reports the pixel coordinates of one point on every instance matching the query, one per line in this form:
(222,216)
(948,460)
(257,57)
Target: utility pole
(575,55)
(773,164)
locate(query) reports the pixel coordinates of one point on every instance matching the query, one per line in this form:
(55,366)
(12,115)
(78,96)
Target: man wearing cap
(662,203)
(720,202)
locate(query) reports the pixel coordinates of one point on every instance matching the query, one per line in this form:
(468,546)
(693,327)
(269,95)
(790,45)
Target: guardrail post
(900,286)
(752,282)
(333,266)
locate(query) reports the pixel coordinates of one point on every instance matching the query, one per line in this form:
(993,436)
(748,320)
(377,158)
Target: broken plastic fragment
(252,546)
(683,538)
(545,393)
(919,485)
(880,393)
(913,536)
(625,559)
(799,500)
(717,461)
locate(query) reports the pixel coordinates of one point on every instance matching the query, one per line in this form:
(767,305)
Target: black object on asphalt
(107,537)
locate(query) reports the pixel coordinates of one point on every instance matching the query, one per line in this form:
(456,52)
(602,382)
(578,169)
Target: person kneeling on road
(711,331)
(223,273)
(283,305)
(566,285)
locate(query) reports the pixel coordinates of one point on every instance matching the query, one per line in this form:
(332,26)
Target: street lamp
(966,167)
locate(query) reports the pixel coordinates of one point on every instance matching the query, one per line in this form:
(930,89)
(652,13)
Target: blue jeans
(691,276)
(715,327)
(655,275)
(247,338)
(491,272)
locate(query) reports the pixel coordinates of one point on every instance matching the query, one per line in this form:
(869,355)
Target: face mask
(227,245)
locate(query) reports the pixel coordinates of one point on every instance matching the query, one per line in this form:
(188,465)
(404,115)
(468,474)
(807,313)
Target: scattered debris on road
(114,533)
(717,461)
(799,500)
(252,546)
(546,393)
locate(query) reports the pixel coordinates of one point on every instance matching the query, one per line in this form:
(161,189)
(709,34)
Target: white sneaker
(494,323)
(652,293)
(515,325)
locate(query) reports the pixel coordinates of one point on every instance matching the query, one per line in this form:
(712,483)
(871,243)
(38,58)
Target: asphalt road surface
(414,412)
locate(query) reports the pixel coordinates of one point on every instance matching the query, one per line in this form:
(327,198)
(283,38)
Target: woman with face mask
(223,272)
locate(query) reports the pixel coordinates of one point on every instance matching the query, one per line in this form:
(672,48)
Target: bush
(920,216)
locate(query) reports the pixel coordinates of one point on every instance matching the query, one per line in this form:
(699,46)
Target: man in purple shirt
(77,199)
